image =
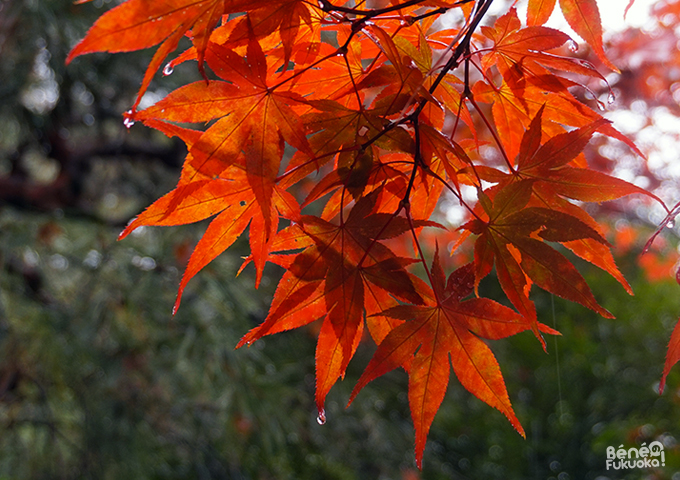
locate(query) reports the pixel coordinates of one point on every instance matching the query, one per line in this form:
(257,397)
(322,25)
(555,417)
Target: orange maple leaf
(447,329)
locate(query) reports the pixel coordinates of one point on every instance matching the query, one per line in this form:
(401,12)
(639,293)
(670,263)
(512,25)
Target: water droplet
(573,46)
(363,130)
(127,119)
(321,419)
(168,69)
(600,106)
(611,98)
(670,224)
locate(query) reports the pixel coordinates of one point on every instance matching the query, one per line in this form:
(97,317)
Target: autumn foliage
(332,130)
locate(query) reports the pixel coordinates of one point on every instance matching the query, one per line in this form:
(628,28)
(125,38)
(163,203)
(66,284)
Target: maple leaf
(329,279)
(518,50)
(549,163)
(508,240)
(138,24)
(255,121)
(548,167)
(447,330)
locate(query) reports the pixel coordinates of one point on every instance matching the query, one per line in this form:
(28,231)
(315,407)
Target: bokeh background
(99,381)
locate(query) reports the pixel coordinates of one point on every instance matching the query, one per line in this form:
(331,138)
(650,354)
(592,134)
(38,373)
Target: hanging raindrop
(127,120)
(611,98)
(670,224)
(600,106)
(573,46)
(321,419)
(168,69)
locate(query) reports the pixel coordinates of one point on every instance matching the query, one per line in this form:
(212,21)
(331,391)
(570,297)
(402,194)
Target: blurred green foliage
(99,381)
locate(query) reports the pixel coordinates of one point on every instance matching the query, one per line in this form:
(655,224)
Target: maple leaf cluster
(387,110)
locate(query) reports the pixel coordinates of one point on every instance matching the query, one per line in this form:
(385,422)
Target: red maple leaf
(447,329)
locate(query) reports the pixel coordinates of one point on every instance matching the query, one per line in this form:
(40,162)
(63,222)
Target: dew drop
(611,98)
(127,120)
(670,224)
(363,130)
(573,46)
(321,419)
(168,69)
(600,106)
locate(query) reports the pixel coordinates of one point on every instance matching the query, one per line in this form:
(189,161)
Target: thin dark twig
(327,6)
